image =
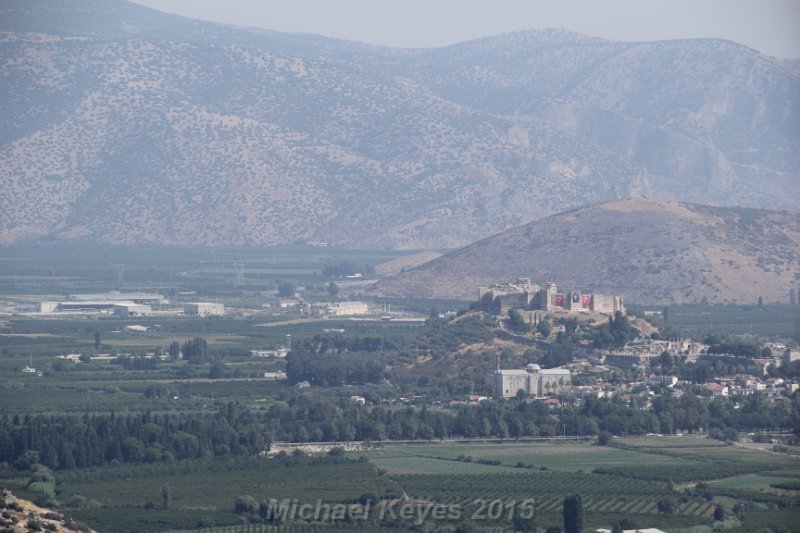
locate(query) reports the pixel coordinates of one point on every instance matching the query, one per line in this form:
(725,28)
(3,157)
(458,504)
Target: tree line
(64,441)
(68,441)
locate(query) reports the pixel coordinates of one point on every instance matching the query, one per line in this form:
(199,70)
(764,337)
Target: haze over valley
(537,281)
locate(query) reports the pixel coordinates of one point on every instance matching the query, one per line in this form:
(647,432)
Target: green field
(128,498)
(108,386)
(564,456)
(416,464)
(781,320)
(547,472)
(755,482)
(59,268)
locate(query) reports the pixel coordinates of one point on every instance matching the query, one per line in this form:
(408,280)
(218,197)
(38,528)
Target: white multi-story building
(533,379)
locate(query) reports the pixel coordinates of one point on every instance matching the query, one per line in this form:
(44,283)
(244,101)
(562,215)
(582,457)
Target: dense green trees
(245,505)
(174,351)
(333,289)
(621,330)
(286,288)
(326,360)
(544,327)
(719,512)
(573,514)
(666,505)
(333,369)
(517,322)
(195,350)
(64,441)
(737,347)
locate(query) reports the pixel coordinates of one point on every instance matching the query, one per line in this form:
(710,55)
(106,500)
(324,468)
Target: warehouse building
(339,309)
(204,309)
(130,309)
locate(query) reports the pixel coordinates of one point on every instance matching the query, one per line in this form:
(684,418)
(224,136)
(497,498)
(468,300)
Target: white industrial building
(48,307)
(339,309)
(281,352)
(105,302)
(117,296)
(204,309)
(130,309)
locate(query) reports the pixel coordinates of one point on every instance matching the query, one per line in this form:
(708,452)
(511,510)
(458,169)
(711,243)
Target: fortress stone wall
(525,294)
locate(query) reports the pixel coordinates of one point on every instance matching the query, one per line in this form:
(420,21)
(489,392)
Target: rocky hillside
(119,123)
(23,516)
(650,251)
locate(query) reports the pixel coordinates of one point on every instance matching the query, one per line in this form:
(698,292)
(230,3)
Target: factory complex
(125,305)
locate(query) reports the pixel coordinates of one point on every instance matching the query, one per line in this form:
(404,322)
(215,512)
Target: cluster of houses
(743,385)
(641,353)
(554,385)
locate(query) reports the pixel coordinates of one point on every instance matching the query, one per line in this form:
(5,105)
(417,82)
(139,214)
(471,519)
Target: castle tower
(550,294)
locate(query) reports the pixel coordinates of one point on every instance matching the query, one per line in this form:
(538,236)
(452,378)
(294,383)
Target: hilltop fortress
(524,294)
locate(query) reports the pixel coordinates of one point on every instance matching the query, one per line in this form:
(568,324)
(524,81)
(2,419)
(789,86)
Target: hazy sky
(772,26)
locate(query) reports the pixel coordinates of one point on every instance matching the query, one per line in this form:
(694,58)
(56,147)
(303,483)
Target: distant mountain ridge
(123,124)
(651,252)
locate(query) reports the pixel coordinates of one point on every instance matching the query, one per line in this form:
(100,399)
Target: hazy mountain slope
(649,251)
(709,113)
(124,124)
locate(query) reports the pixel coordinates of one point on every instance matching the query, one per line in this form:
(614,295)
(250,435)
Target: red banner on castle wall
(560,300)
(586,301)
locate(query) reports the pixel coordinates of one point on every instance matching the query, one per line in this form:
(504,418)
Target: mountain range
(122,124)
(650,252)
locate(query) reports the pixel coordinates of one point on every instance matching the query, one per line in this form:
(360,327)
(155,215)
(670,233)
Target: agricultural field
(760,483)
(569,457)
(127,499)
(416,464)
(471,477)
(32,267)
(699,460)
(628,481)
(167,385)
(782,320)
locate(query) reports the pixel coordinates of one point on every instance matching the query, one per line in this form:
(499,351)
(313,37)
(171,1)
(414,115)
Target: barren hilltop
(123,124)
(649,251)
